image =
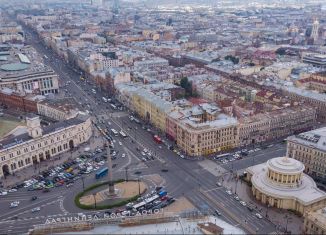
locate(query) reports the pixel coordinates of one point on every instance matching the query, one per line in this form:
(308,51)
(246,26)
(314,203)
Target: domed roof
(285,165)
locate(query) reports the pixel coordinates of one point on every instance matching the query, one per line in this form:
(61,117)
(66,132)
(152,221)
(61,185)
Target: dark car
(46,190)
(164,170)
(34,198)
(217,213)
(158,188)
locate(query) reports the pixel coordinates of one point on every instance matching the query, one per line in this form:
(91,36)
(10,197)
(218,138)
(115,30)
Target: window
(18,152)
(11,155)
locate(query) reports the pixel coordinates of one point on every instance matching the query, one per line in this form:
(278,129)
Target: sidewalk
(279,217)
(34,170)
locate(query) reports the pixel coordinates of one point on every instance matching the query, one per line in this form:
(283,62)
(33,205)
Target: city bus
(102,172)
(157,139)
(139,205)
(222,155)
(123,135)
(115,133)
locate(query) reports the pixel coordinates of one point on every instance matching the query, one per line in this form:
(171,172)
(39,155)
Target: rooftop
(314,139)
(285,165)
(21,62)
(11,140)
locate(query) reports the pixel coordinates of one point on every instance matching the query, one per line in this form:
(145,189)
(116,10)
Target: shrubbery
(101,207)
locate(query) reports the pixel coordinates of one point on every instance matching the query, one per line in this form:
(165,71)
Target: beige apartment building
(42,143)
(58,109)
(310,148)
(202,130)
(276,124)
(315,222)
(200,139)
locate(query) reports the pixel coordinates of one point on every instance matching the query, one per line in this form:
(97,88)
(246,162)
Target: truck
(162,193)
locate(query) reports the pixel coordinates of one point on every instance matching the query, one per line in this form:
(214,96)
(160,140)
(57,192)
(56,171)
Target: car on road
(3,193)
(33,198)
(36,209)
(123,155)
(14,204)
(144,159)
(46,190)
(143,153)
(12,190)
(120,143)
(259,216)
(164,170)
(228,192)
(217,213)
(236,198)
(218,184)
(243,203)
(182,156)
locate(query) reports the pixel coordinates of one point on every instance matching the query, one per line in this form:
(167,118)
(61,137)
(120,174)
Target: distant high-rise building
(116,6)
(314,32)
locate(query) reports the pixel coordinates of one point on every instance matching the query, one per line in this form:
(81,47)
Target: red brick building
(17,101)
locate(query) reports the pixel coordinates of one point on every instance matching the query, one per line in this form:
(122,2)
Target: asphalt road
(183,178)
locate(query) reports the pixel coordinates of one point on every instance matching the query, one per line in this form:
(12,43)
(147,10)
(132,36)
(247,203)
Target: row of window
(39,145)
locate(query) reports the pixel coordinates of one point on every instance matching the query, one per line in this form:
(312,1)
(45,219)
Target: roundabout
(99,197)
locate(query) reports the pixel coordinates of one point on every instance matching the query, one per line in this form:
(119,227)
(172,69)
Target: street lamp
(126,173)
(94,196)
(82,178)
(138,186)
(236,184)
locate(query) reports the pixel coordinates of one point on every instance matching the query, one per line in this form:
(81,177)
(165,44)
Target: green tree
(232,58)
(280,51)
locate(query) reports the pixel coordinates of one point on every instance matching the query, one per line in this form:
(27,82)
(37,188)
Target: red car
(164,198)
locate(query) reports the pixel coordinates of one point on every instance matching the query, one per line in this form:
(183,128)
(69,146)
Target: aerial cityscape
(162,117)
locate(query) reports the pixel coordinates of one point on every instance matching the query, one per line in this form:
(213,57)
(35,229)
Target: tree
(185,84)
(280,51)
(232,58)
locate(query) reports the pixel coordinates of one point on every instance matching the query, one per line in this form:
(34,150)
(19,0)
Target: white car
(14,204)
(36,209)
(120,143)
(236,198)
(142,153)
(258,216)
(145,150)
(229,192)
(182,156)
(123,155)
(12,190)
(243,203)
(3,193)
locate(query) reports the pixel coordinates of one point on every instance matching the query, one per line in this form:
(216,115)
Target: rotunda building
(281,183)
